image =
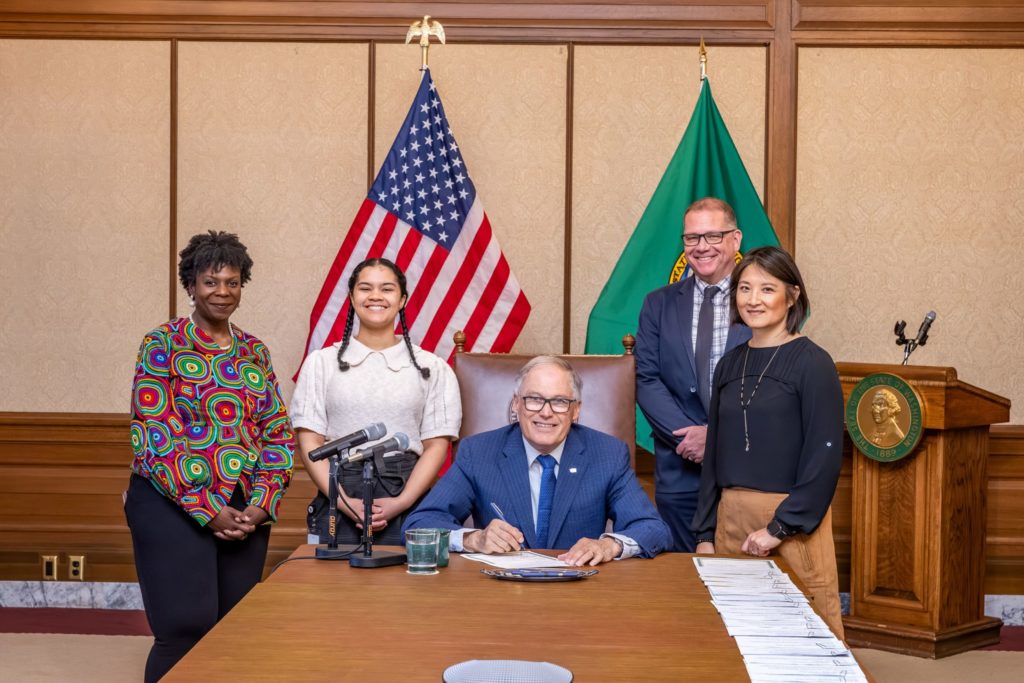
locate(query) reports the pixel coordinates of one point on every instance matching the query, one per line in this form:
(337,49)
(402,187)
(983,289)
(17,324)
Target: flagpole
(424,29)
(703,61)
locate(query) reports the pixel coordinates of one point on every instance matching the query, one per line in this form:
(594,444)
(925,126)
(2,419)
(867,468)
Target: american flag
(423,213)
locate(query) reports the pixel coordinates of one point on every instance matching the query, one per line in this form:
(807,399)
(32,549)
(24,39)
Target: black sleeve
(706,518)
(821,457)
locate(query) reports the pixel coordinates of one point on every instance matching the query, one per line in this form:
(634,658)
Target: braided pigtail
(425,372)
(342,365)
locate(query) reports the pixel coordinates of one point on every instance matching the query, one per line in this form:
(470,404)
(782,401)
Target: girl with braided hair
(373,375)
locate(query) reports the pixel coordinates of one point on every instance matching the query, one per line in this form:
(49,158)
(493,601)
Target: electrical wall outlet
(76,567)
(49,563)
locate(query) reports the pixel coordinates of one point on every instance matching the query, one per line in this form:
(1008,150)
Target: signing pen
(501,516)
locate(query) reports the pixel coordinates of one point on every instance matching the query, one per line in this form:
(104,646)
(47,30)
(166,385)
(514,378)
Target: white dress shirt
(536,470)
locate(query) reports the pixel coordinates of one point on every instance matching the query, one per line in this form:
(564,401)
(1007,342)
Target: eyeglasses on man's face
(535,404)
(693,239)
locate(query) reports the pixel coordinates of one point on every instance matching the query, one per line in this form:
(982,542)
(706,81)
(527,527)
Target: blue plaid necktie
(547,497)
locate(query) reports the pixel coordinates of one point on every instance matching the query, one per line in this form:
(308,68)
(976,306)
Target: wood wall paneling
(780,144)
(1004,561)
(922,15)
(492,20)
(61,478)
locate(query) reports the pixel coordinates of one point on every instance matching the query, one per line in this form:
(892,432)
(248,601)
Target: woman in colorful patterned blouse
(213,455)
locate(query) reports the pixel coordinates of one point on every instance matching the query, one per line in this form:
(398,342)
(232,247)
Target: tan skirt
(812,557)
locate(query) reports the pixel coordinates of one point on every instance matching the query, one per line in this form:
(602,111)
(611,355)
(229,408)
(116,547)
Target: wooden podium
(917,571)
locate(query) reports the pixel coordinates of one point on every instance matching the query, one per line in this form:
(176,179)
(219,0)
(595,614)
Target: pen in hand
(501,516)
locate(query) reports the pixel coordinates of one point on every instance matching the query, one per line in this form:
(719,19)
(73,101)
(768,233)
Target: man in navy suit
(683,332)
(545,482)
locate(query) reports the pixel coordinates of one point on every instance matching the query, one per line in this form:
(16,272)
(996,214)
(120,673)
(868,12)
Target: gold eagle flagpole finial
(424,29)
(703,60)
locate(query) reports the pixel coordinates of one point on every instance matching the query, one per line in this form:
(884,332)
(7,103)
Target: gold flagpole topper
(424,29)
(703,60)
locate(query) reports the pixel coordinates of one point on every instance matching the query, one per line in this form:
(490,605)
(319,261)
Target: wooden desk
(647,620)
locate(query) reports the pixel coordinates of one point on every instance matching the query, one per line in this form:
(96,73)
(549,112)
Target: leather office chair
(608,403)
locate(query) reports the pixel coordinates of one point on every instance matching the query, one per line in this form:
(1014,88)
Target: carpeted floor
(39,658)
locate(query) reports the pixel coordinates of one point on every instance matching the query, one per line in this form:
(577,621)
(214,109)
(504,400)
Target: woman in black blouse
(775,435)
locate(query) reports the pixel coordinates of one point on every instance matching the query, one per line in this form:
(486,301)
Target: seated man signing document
(545,482)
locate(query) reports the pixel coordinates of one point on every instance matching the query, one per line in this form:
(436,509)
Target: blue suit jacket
(666,379)
(595,484)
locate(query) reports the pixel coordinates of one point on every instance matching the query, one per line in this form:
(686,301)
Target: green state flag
(706,163)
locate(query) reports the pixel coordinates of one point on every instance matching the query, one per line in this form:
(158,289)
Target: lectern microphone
(922,332)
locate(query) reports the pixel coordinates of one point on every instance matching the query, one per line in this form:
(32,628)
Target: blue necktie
(547,497)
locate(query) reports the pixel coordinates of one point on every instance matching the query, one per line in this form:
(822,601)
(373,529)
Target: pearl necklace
(231,328)
(743,378)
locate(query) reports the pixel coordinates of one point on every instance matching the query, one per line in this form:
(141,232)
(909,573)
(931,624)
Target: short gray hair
(714,204)
(537,361)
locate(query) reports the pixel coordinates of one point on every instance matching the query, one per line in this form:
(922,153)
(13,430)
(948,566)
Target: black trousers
(189,578)
(678,509)
(391,475)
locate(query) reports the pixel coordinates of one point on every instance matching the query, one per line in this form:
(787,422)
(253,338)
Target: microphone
(399,442)
(374,431)
(922,332)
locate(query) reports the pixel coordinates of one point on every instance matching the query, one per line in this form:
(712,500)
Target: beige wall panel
(272,145)
(910,197)
(632,105)
(84,171)
(506,107)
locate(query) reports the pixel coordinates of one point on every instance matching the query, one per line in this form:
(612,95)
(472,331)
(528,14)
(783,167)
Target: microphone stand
(332,551)
(383,558)
(909,345)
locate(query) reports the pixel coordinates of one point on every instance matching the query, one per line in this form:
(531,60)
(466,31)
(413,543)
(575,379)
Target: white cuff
(455,539)
(629,546)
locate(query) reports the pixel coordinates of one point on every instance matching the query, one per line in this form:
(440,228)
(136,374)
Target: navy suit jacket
(666,379)
(595,484)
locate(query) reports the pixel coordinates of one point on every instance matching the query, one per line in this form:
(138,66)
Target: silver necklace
(743,379)
(231,329)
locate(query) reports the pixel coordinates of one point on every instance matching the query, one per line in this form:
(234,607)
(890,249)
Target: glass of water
(443,536)
(421,549)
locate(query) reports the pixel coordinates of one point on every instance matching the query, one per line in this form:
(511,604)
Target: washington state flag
(706,163)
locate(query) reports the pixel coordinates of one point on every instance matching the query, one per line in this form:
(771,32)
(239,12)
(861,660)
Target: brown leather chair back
(487,382)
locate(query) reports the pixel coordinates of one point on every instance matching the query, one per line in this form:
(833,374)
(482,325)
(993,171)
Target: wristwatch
(778,530)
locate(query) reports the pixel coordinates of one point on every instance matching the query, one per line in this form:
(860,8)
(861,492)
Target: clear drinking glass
(442,546)
(421,550)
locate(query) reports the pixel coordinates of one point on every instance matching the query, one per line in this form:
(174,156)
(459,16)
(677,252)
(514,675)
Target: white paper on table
(756,647)
(759,675)
(523,559)
(840,662)
(721,566)
(753,630)
(799,669)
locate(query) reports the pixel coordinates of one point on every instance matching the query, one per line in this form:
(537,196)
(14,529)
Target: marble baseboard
(1009,608)
(75,594)
(97,595)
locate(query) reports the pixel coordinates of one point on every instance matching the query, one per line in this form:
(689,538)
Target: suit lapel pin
(572,470)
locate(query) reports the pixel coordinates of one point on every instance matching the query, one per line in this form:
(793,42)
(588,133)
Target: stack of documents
(779,635)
